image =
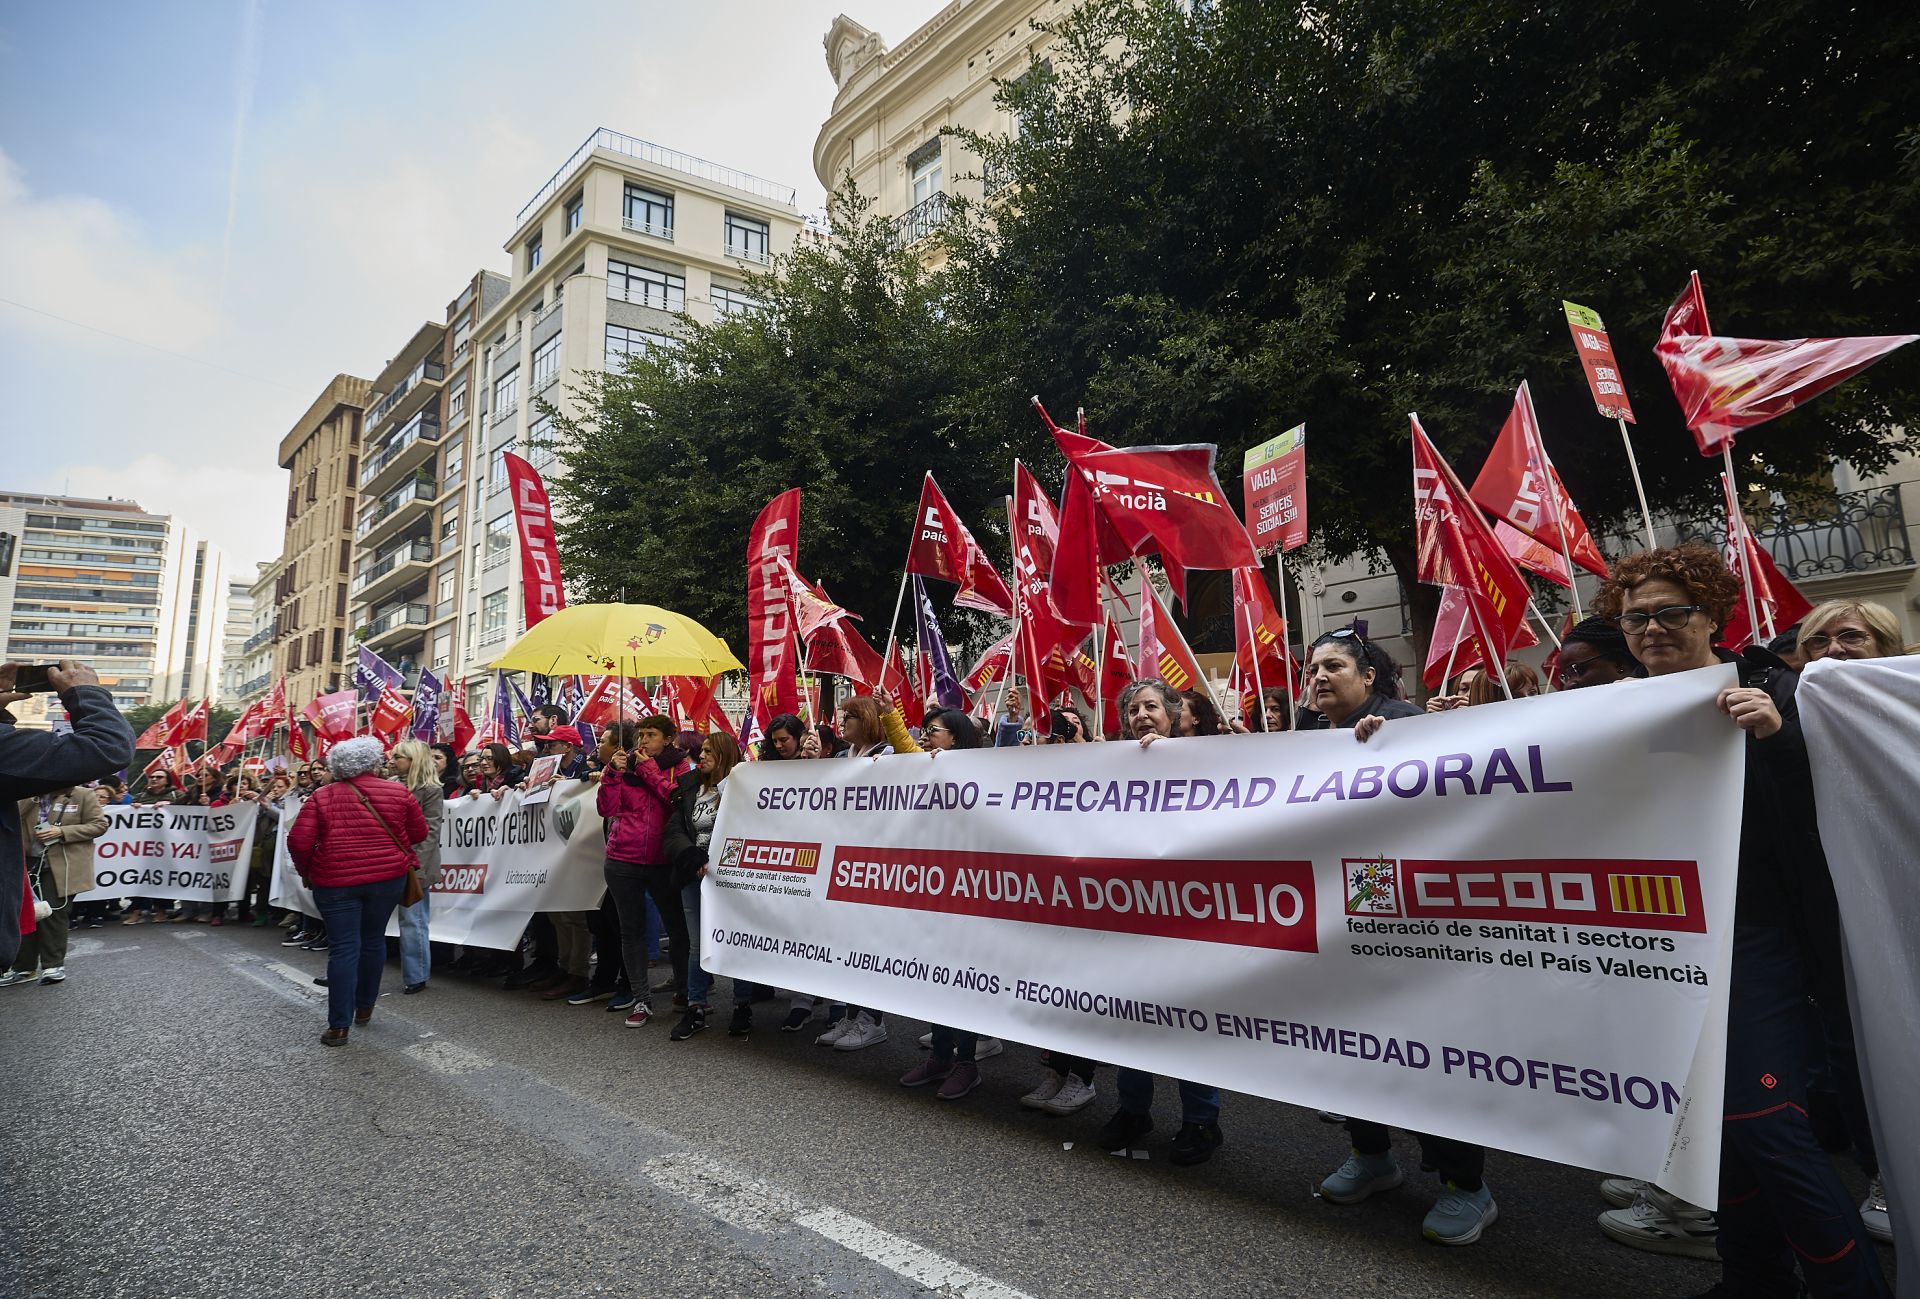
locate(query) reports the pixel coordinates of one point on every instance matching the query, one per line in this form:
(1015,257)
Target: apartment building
(610,256)
(193,665)
(256,651)
(233,642)
(321,454)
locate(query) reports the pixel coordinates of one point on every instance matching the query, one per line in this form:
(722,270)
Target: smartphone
(32,679)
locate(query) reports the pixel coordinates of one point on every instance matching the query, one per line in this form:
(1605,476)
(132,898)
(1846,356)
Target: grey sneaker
(1460,1217)
(14,977)
(1621,1192)
(1361,1176)
(1873,1212)
(54,974)
(1663,1224)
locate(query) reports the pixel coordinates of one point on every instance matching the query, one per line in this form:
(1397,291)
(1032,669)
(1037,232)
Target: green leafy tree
(846,384)
(1225,221)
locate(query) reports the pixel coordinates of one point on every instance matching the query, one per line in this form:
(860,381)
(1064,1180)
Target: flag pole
(1552,496)
(1646,515)
(1286,640)
(1446,675)
(1486,643)
(1737,521)
(1541,618)
(1253,648)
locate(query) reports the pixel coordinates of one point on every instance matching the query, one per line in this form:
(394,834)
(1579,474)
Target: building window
(540,443)
(497,468)
(546,363)
(473,620)
(456,461)
(533,253)
(445,582)
(646,286)
(506,394)
(928,169)
(457,402)
(747,238)
(728,301)
(313,485)
(649,212)
(576,213)
(493,613)
(623,342)
(499,539)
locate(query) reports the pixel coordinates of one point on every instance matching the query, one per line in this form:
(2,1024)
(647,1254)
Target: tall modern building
(621,245)
(321,454)
(233,642)
(256,651)
(132,594)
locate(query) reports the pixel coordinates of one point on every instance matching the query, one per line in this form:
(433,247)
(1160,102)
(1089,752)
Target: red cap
(564,735)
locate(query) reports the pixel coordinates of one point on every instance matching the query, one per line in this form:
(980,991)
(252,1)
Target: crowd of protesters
(364,819)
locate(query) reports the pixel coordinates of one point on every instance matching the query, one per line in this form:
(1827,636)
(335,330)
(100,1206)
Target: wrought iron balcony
(920,220)
(255,641)
(1807,536)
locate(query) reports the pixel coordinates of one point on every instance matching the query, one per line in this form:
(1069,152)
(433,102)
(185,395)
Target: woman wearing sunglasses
(1780,1197)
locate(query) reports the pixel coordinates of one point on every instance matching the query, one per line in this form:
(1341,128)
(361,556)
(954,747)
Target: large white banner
(196,854)
(1510,925)
(502,860)
(1862,725)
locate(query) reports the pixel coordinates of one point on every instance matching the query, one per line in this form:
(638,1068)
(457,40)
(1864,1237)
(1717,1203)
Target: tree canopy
(1218,221)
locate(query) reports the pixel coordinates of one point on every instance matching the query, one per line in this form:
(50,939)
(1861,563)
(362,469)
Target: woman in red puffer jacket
(353,845)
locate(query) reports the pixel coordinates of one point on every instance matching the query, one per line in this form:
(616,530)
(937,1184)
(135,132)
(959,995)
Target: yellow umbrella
(629,640)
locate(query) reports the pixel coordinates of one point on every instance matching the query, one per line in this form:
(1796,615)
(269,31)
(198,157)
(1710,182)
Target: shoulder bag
(413,891)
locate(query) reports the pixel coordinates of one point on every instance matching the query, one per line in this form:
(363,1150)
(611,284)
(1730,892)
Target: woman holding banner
(863,727)
(689,834)
(353,845)
(1780,1197)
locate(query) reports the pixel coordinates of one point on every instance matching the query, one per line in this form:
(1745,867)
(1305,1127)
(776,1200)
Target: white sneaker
(866,1031)
(1663,1224)
(1074,1094)
(13,977)
(926,1040)
(54,974)
(1873,1212)
(988,1047)
(1621,1192)
(835,1032)
(1049,1087)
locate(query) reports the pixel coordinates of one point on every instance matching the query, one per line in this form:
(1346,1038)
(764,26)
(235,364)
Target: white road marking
(298,977)
(96,947)
(753,1205)
(443,1056)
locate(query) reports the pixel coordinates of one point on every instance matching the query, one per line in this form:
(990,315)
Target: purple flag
(370,672)
(526,709)
(937,665)
(504,725)
(426,707)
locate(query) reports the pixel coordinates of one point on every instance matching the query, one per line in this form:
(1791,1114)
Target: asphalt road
(173,1128)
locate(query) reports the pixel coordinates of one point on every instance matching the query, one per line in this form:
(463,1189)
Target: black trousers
(610,969)
(1459,1162)
(631,886)
(1781,1199)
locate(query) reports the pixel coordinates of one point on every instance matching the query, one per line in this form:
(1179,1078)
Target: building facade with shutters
(322,457)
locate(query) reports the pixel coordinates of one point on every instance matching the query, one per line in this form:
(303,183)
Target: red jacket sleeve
(304,837)
(611,798)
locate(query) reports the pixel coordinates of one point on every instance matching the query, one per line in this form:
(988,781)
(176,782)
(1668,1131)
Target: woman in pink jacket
(636,789)
(353,844)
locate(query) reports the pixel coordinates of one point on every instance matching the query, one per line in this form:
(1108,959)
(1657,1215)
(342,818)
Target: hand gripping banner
(1508,925)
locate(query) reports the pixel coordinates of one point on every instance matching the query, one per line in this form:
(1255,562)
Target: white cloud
(240,506)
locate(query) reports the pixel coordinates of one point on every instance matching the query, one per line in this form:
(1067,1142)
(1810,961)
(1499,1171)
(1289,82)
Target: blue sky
(256,196)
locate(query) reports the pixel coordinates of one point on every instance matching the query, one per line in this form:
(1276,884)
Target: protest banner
(501,861)
(1454,928)
(194,854)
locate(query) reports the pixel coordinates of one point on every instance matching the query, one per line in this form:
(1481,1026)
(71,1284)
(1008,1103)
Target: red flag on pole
(1172,494)
(1073,582)
(391,712)
(1035,532)
(812,607)
(1163,650)
(461,736)
(193,726)
(1454,639)
(539,551)
(1519,484)
(333,715)
(1457,548)
(1116,670)
(1531,555)
(991,666)
(944,548)
(1778,602)
(1259,635)
(1726,384)
(159,734)
(771,660)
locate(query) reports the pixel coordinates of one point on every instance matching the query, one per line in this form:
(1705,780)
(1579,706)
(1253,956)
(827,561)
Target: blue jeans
(416,952)
(1198,1104)
(356,916)
(699,982)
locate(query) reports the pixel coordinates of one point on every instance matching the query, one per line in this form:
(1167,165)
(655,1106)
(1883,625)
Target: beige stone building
(321,454)
(611,255)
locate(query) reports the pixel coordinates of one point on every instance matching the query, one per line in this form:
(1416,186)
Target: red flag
(612,699)
(943,548)
(1453,626)
(1726,384)
(1163,650)
(334,716)
(991,667)
(1596,358)
(1172,494)
(1073,581)
(539,551)
(811,605)
(297,740)
(1531,555)
(1259,635)
(1778,601)
(1457,548)
(839,649)
(1034,531)
(391,712)
(159,734)
(770,650)
(703,711)
(1519,484)
(193,726)
(1115,672)
(463,731)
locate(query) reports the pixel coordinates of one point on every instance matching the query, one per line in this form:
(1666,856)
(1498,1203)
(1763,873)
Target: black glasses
(1674,617)
(1852,638)
(934,728)
(1577,668)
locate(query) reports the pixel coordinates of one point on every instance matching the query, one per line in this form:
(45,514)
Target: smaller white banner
(194,854)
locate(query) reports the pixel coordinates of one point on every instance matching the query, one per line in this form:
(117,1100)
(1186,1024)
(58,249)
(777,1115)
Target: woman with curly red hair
(1779,1193)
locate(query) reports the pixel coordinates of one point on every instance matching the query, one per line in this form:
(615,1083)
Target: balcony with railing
(393,626)
(920,220)
(255,641)
(413,384)
(656,156)
(1808,535)
(391,570)
(652,229)
(256,686)
(404,503)
(408,449)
